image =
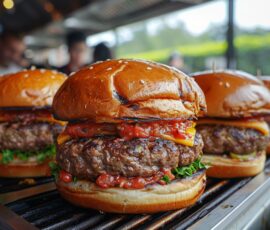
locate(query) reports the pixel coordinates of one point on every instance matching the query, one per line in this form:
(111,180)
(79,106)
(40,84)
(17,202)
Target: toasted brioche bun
(28,169)
(225,167)
(155,198)
(30,88)
(266,81)
(233,94)
(115,90)
(268,149)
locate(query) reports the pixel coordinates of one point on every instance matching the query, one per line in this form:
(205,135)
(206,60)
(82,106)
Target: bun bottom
(224,167)
(268,150)
(155,198)
(25,170)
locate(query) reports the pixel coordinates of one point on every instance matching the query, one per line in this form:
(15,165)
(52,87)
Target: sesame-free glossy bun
(266,81)
(226,167)
(30,88)
(115,90)
(233,94)
(27,169)
(154,198)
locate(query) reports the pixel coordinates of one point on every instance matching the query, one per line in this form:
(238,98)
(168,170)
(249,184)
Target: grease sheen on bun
(113,90)
(266,81)
(225,167)
(233,94)
(30,88)
(155,198)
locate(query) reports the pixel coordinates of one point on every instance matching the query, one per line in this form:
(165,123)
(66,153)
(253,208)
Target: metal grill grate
(49,211)
(12,185)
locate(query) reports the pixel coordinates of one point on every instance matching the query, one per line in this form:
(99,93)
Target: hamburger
(234,132)
(130,145)
(27,127)
(266,81)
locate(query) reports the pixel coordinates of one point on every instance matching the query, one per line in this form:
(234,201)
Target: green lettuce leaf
(8,155)
(186,171)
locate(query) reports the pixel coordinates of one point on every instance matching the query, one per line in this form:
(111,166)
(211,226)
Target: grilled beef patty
(220,139)
(27,137)
(88,158)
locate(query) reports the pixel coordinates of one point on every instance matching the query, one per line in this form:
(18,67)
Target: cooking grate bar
(72,221)
(12,185)
(46,204)
(208,206)
(134,222)
(49,211)
(44,208)
(170,216)
(110,223)
(87,224)
(41,220)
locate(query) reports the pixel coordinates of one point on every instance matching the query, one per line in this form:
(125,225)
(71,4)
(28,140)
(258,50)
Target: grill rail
(222,200)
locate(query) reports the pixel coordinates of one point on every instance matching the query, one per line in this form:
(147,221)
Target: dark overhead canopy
(48,20)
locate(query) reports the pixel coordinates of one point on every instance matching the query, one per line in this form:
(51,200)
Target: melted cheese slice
(261,126)
(62,138)
(51,120)
(188,142)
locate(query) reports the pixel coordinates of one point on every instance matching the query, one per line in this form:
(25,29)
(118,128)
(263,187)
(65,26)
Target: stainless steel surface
(238,211)
(6,198)
(11,221)
(226,204)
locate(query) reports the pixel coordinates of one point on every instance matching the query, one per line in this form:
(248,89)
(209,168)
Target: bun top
(116,90)
(233,94)
(30,88)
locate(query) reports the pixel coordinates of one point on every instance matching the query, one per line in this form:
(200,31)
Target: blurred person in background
(101,52)
(12,53)
(176,60)
(77,48)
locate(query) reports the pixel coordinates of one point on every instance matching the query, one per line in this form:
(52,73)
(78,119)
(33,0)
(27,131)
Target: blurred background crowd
(65,35)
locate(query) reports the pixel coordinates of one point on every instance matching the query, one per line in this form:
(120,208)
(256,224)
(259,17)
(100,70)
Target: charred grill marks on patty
(88,158)
(220,139)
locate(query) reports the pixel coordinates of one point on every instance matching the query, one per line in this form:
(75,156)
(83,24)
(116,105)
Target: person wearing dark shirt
(76,43)
(176,60)
(101,52)
(12,50)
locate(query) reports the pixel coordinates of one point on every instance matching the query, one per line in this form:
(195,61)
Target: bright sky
(248,14)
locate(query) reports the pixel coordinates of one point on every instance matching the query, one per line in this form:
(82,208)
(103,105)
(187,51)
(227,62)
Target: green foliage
(242,42)
(7,156)
(185,171)
(166,179)
(42,155)
(55,169)
(189,170)
(252,47)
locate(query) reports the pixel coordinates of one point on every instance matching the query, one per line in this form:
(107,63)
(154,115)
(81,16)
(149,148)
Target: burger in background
(266,81)
(27,127)
(234,132)
(130,145)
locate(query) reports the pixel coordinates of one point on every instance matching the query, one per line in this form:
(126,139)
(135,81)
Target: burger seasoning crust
(89,158)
